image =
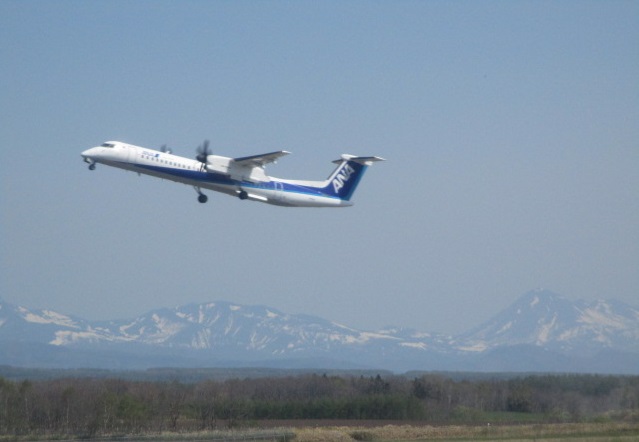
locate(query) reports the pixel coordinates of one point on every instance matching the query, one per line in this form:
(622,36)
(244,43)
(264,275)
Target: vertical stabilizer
(344,180)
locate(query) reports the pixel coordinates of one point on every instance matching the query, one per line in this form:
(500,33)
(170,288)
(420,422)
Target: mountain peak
(219,332)
(546,319)
(540,298)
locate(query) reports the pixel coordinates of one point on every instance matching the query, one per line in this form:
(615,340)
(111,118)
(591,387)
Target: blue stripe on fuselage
(213,178)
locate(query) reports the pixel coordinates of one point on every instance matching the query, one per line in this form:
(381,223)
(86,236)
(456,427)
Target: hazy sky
(510,129)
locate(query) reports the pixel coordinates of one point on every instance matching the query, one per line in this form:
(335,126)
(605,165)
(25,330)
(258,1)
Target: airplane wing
(260,160)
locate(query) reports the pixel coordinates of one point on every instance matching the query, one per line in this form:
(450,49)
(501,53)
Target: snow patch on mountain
(47,317)
(417,345)
(545,330)
(534,301)
(602,316)
(69,337)
(477,347)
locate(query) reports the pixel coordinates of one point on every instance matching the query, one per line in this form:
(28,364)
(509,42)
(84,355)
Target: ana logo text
(343,176)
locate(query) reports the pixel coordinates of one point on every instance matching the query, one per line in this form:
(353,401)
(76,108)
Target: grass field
(586,432)
(370,431)
(591,432)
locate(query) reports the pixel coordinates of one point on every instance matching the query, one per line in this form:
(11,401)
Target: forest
(93,407)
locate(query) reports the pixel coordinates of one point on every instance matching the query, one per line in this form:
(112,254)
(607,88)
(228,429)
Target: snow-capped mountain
(24,325)
(224,327)
(545,319)
(540,325)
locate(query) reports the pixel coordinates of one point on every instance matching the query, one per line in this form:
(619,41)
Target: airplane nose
(88,153)
(87,157)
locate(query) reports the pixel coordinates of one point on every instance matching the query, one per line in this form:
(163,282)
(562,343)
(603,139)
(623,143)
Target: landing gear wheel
(202,198)
(242,195)
(92,166)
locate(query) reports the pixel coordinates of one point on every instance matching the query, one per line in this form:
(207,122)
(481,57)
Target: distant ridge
(540,331)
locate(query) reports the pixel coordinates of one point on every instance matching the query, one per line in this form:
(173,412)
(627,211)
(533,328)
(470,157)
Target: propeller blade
(203,152)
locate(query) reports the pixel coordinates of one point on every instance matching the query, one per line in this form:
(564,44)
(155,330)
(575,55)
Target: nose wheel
(90,162)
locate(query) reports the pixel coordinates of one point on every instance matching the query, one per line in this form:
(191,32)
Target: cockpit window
(108,145)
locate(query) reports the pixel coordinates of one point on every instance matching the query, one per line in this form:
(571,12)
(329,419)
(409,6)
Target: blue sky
(510,129)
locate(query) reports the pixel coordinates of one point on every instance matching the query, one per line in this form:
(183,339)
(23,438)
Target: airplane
(242,177)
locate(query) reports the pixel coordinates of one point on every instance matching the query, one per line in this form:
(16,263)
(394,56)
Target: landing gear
(200,196)
(242,195)
(90,162)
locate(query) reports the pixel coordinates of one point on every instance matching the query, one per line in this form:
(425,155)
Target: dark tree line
(94,407)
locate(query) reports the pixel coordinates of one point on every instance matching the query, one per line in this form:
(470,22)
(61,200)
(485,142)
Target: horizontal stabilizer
(367,161)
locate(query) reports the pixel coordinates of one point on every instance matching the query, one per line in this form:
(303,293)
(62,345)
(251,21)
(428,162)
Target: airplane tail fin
(345,178)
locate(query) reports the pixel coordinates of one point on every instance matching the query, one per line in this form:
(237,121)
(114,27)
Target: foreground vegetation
(550,432)
(92,408)
(586,432)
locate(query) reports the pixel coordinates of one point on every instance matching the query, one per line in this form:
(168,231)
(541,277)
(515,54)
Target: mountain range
(540,332)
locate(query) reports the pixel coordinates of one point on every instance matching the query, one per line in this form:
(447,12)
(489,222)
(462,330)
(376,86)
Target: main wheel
(243,195)
(202,198)
(92,166)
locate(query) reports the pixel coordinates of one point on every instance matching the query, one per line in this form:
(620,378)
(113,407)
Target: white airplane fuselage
(241,177)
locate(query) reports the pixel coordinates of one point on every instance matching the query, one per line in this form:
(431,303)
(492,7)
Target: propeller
(203,152)
(165,149)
